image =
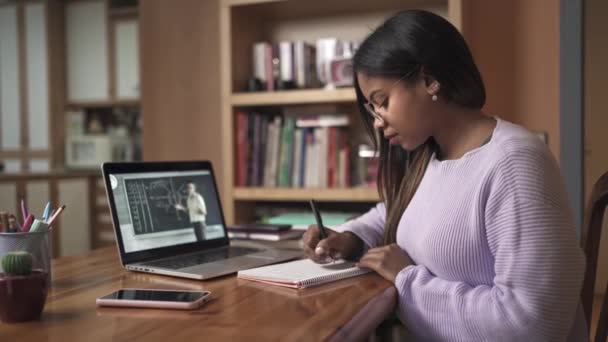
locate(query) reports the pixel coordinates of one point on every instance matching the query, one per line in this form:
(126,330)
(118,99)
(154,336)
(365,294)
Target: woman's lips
(392,139)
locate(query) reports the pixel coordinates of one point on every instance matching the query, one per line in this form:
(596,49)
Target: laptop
(168,219)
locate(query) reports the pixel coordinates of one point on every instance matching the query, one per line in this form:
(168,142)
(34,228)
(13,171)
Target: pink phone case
(154,304)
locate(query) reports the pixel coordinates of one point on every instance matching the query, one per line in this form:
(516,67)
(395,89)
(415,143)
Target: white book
(259,60)
(318,162)
(300,63)
(286,61)
(323,157)
(302,273)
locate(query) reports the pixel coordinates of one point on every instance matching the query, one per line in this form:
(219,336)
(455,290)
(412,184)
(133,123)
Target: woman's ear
(432,85)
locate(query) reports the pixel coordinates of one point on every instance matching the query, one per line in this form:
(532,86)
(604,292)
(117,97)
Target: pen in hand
(322,231)
(315,210)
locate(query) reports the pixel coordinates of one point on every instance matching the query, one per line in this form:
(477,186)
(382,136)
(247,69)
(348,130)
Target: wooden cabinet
(126,55)
(37,66)
(25,86)
(102,54)
(87,51)
(10,106)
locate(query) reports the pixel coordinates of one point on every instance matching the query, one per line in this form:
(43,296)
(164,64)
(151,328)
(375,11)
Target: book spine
(259,61)
(262,150)
(241,128)
(286,74)
(310,157)
(286,152)
(297,158)
(331,157)
(270,143)
(324,156)
(301,171)
(274,164)
(268,56)
(257,124)
(250,143)
(300,63)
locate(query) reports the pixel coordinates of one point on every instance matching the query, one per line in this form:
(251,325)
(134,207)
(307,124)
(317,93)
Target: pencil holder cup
(23,289)
(38,244)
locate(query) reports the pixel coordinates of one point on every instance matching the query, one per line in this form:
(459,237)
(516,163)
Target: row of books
(299,64)
(290,151)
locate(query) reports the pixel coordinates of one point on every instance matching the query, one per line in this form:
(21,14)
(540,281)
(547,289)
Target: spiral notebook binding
(330,277)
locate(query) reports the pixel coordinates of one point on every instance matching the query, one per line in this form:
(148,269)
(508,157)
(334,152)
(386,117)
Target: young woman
(474,227)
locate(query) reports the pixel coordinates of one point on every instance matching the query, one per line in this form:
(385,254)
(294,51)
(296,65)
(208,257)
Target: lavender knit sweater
(494,246)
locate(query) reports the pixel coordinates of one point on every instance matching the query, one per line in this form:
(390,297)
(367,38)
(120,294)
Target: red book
(346,170)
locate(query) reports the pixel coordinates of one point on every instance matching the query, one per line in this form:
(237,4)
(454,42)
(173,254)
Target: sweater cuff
(404,277)
(361,231)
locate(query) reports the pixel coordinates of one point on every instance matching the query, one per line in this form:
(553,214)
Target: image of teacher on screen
(197,210)
(474,227)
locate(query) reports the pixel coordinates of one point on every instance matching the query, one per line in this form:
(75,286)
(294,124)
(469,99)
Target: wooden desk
(240,310)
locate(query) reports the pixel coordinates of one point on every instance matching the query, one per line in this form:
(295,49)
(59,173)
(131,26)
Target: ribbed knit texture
(494,246)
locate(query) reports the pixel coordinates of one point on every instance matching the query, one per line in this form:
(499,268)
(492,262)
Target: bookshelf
(244,22)
(358,194)
(290,97)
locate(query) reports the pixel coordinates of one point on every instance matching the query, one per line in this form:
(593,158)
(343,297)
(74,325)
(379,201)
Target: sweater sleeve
(537,263)
(369,227)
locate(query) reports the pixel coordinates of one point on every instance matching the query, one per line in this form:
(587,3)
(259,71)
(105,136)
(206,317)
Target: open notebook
(302,273)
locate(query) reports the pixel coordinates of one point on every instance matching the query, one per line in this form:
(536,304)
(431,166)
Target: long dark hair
(408,43)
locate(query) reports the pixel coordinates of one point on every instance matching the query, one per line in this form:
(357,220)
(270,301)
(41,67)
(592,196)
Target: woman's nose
(378,123)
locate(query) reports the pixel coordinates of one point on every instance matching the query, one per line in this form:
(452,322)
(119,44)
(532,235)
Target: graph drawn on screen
(152,204)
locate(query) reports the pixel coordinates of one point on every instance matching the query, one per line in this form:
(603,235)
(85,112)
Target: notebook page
(304,272)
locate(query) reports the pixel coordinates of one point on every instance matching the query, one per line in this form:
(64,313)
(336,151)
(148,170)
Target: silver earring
(434,97)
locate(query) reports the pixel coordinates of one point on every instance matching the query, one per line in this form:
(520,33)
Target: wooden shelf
(360,194)
(123,12)
(287,97)
(103,104)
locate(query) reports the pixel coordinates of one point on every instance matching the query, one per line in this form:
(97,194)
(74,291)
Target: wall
(180,93)
(596,113)
(516,46)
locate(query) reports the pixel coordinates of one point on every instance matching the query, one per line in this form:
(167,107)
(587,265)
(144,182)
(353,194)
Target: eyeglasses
(370,107)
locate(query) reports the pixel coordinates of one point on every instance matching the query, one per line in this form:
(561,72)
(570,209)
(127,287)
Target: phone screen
(157,296)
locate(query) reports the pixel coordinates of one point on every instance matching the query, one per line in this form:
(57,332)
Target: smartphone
(163,299)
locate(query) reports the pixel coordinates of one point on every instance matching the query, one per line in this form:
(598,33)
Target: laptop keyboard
(202,258)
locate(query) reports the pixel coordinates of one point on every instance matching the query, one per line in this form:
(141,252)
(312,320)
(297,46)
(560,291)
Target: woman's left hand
(387,261)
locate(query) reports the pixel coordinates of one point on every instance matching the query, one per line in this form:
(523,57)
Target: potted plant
(22,290)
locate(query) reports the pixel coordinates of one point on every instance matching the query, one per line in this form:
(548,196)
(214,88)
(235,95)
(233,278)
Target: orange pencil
(55,215)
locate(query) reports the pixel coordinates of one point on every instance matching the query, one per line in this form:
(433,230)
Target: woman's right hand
(344,245)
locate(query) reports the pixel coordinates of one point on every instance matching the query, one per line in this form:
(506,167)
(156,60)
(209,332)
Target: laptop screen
(168,208)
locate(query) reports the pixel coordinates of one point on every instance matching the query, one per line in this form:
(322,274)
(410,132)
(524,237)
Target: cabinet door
(10,108)
(37,76)
(87,51)
(75,229)
(127,59)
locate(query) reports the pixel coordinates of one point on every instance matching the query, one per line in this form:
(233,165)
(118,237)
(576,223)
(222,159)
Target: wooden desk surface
(239,309)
